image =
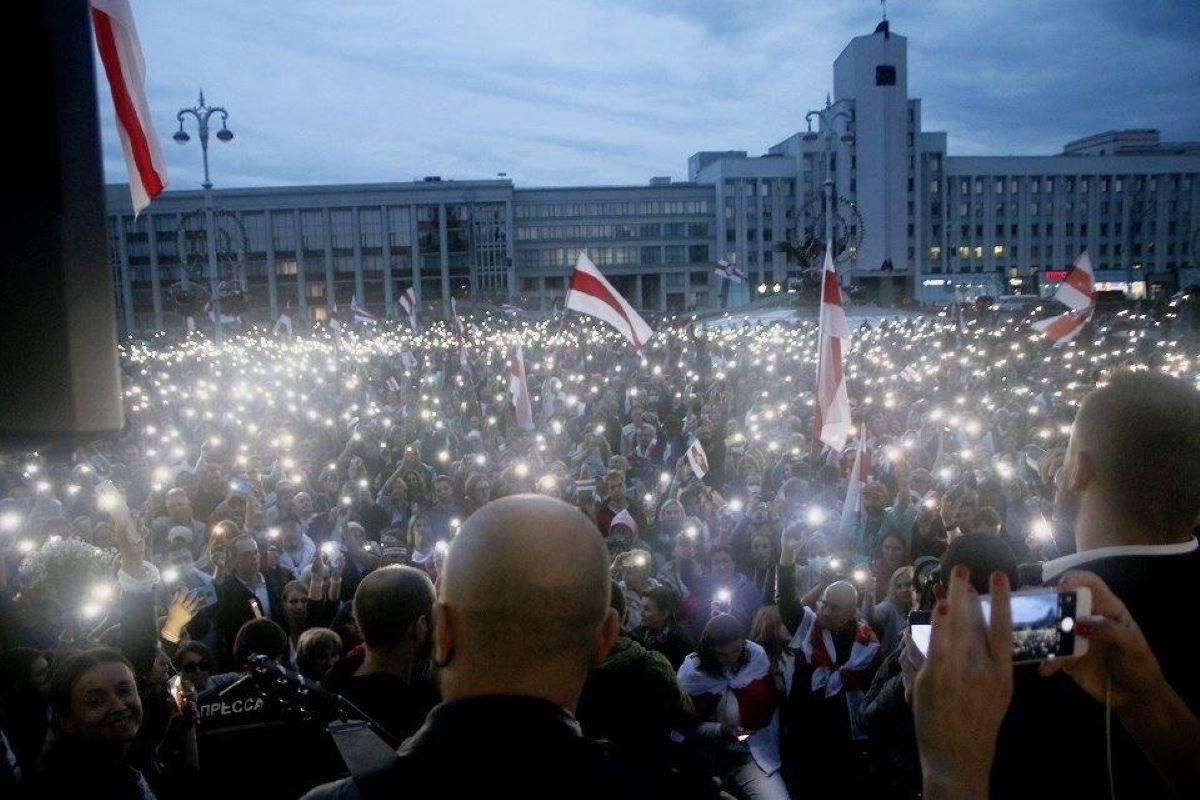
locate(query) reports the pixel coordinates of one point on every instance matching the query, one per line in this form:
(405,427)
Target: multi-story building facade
(916,221)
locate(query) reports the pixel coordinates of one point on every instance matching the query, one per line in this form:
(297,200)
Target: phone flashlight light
(170,574)
(815,516)
(835,563)
(724,596)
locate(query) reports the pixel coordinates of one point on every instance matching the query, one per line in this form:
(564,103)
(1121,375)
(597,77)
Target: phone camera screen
(1043,625)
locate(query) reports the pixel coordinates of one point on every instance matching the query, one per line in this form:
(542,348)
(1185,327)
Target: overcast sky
(572,92)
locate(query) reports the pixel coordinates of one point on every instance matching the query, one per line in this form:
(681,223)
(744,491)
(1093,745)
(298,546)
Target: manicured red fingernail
(999,580)
(943,606)
(962,573)
(1083,628)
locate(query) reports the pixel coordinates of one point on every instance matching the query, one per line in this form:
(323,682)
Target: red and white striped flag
(831,417)
(284,321)
(858,478)
(459,333)
(730,271)
(359,313)
(697,459)
(593,295)
(121,54)
(519,389)
(408,301)
(1078,293)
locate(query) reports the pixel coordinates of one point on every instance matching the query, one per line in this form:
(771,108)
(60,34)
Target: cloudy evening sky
(572,92)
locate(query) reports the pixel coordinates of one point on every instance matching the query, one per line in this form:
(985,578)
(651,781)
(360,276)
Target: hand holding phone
(1043,622)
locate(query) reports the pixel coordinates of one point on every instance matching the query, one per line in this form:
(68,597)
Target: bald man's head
(838,606)
(1136,442)
(525,585)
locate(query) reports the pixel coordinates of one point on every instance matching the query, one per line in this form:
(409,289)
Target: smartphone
(1043,624)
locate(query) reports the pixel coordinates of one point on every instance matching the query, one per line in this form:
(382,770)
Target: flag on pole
(593,295)
(858,480)
(698,459)
(519,389)
(121,54)
(408,301)
(284,321)
(730,271)
(212,314)
(360,314)
(831,418)
(458,330)
(1078,293)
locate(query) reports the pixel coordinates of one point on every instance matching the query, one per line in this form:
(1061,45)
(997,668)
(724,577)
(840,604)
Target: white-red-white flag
(730,271)
(1078,293)
(519,389)
(121,54)
(697,459)
(408,301)
(859,475)
(460,335)
(360,314)
(285,321)
(593,295)
(831,411)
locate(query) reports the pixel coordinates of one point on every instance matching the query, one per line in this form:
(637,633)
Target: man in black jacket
(244,594)
(514,638)
(393,608)
(1129,492)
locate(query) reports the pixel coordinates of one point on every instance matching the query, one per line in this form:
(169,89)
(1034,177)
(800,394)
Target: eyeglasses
(196,666)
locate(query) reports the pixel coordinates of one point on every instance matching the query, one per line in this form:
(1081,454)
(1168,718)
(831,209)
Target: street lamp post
(202,113)
(828,117)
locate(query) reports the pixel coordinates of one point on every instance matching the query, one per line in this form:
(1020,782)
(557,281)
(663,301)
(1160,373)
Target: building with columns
(917,222)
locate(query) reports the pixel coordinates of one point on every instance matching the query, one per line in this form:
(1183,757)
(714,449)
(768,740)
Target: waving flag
(593,295)
(408,301)
(360,314)
(831,420)
(730,271)
(212,314)
(121,53)
(284,321)
(519,389)
(697,459)
(859,475)
(458,331)
(1078,293)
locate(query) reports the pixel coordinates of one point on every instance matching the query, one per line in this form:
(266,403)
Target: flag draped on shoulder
(408,301)
(592,294)
(519,389)
(1078,293)
(831,418)
(121,54)
(360,314)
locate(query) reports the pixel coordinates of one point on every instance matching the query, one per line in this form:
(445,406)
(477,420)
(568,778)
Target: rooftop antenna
(883,26)
(883,3)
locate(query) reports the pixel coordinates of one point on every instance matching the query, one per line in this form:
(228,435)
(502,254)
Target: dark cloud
(559,92)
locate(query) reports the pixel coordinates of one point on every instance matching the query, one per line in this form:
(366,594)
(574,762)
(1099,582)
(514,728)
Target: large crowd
(352,525)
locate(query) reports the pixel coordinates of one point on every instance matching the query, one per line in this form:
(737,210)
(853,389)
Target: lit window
(998,250)
(978,251)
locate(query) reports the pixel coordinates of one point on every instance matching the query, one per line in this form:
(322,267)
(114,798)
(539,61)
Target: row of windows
(965,251)
(671,280)
(1039,184)
(645,230)
(1138,209)
(612,209)
(667,254)
(763,187)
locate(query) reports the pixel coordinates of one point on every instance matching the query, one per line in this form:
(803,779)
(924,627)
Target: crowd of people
(353,525)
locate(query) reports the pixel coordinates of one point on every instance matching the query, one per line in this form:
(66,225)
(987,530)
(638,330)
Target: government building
(912,223)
